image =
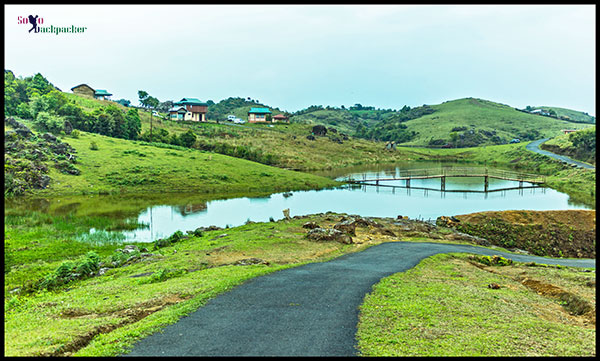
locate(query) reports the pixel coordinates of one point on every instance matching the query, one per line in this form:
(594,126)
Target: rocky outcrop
(328,235)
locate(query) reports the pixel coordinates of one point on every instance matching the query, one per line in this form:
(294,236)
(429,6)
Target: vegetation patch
(445,307)
(544,233)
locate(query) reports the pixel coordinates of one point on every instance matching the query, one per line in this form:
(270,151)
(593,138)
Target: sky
(295,56)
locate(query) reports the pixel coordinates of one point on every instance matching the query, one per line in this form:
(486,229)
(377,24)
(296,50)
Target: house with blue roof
(189,109)
(256,115)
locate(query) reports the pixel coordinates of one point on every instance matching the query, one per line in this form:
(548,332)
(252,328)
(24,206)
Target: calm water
(167,214)
(426,204)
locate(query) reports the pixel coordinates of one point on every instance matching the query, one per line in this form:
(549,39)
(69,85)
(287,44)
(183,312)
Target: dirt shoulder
(569,233)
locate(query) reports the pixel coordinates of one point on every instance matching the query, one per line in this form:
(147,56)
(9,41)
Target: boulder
(328,235)
(310,225)
(348,227)
(49,137)
(319,130)
(130,249)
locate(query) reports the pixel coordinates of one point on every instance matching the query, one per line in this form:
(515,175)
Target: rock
(250,261)
(310,225)
(24,132)
(387,232)
(310,137)
(348,227)
(319,130)
(102,271)
(328,235)
(67,127)
(50,137)
(130,249)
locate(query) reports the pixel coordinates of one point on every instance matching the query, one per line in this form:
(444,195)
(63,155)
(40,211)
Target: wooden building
(189,109)
(280,118)
(88,91)
(256,115)
(84,89)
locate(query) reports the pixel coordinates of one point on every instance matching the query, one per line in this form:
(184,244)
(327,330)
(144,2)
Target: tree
(165,106)
(133,124)
(187,139)
(143,96)
(119,129)
(151,102)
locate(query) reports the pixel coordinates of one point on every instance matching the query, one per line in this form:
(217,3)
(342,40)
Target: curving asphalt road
(311,310)
(535,147)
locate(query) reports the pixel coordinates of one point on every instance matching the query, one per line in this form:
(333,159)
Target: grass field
(122,166)
(445,307)
(105,314)
(485,115)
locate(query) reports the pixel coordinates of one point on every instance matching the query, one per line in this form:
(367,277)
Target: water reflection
(167,213)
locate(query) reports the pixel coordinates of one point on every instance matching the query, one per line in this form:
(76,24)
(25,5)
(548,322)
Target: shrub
(94,146)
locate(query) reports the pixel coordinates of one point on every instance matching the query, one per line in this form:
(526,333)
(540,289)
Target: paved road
(535,147)
(311,310)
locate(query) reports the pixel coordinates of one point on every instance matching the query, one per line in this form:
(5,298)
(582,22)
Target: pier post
(486,183)
(407,182)
(520,184)
(443,178)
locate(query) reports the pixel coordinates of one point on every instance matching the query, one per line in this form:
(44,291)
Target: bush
(94,146)
(69,271)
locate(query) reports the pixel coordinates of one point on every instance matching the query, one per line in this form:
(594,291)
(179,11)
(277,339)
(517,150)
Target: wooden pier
(443,173)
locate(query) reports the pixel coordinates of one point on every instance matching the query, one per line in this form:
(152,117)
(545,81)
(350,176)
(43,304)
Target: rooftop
(102,92)
(259,111)
(190,101)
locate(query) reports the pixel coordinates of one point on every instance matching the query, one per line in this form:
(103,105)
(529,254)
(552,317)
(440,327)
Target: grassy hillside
(571,115)
(482,122)
(580,145)
(123,166)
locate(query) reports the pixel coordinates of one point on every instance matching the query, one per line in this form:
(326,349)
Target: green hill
(474,122)
(569,114)
(110,165)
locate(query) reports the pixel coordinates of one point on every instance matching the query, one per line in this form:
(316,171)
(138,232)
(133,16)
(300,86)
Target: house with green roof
(88,91)
(189,109)
(102,94)
(256,115)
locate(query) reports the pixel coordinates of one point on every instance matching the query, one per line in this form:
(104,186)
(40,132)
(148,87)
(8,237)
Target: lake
(423,200)
(426,204)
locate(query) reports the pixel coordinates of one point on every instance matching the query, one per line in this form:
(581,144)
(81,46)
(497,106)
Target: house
(88,91)
(280,118)
(189,109)
(83,89)
(102,94)
(258,115)
(179,113)
(567,131)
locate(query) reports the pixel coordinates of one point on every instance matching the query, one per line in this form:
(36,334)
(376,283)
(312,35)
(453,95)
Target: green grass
(122,166)
(574,115)
(481,114)
(104,315)
(443,307)
(562,144)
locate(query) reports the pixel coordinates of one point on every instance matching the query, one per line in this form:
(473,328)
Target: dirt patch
(569,307)
(570,233)
(128,315)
